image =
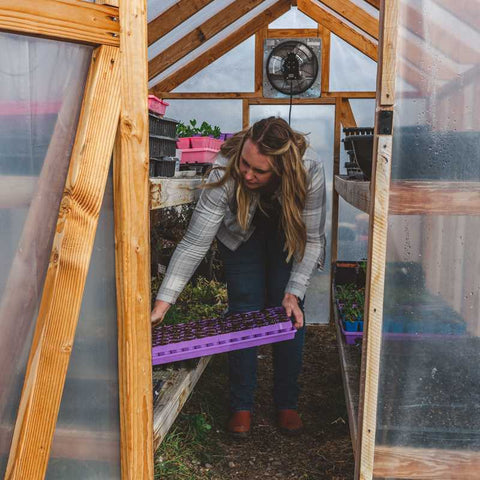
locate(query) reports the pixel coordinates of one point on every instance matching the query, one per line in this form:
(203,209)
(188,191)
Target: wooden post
(132,253)
(336,171)
(380,191)
(245,113)
(67,271)
(260,37)
(325,75)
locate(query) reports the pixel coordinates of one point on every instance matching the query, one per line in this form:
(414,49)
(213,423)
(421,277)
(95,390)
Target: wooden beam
(260,37)
(292,33)
(245,114)
(355,15)
(349,94)
(345,32)
(374,3)
(234,39)
(112,3)
(204,95)
(325,78)
(377,246)
(171,192)
(425,463)
(355,192)
(67,272)
(69,20)
(132,248)
(172,398)
(346,115)
(337,134)
(199,36)
(295,101)
(447,42)
(173,17)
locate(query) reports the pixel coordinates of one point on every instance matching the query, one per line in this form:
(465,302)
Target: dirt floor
(198,446)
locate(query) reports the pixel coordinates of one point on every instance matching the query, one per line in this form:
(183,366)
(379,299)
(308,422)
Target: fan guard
(292,67)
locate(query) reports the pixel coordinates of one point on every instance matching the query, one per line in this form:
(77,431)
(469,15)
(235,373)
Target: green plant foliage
(201,298)
(191,129)
(185,448)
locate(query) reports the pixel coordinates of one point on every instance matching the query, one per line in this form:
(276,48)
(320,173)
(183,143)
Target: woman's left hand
(290,303)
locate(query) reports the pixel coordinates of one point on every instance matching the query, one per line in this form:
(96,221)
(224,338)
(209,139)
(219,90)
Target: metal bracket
(384,122)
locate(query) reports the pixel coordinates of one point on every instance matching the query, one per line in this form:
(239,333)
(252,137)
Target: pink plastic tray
(201,155)
(157,105)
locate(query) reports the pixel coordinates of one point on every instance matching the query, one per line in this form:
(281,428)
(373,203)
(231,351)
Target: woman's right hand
(159,311)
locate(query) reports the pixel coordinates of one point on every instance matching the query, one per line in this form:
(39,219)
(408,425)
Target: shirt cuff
(296,289)
(167,295)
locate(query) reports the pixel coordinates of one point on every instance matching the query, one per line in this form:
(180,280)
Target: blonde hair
(285,147)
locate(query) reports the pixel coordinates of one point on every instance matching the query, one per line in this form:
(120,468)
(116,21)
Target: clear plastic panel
(352,232)
(429,393)
(41,89)
(350,69)
(317,121)
(179,32)
(294,18)
(227,114)
(232,72)
(87,436)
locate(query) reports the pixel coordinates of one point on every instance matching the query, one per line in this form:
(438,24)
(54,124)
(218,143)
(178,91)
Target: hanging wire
(291,101)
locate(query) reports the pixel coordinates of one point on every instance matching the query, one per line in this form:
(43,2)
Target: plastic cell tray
(200,155)
(171,343)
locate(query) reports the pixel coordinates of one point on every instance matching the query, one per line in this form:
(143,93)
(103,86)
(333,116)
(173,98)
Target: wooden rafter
(199,36)
(172,17)
(346,114)
(325,78)
(355,15)
(260,37)
(336,26)
(292,32)
(437,37)
(67,272)
(374,3)
(72,20)
(132,248)
(260,21)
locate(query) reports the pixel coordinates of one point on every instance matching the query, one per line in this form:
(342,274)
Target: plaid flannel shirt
(213,216)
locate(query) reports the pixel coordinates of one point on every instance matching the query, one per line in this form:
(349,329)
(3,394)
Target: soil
(322,451)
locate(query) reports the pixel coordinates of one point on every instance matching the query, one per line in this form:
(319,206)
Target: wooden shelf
(355,192)
(170,192)
(412,197)
(173,395)
(350,359)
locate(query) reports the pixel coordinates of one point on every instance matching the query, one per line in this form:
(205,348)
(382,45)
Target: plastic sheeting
(41,86)
(233,72)
(429,387)
(87,436)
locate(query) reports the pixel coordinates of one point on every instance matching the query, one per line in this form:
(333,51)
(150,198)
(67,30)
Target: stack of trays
(172,343)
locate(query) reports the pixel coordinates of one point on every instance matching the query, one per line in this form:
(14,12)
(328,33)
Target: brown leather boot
(239,424)
(289,422)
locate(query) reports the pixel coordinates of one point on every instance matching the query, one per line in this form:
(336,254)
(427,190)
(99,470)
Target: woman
(266,206)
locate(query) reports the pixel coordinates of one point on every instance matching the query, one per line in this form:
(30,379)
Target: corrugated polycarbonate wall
(41,88)
(429,391)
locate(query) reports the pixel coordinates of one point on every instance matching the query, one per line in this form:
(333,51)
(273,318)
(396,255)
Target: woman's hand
(158,313)
(290,303)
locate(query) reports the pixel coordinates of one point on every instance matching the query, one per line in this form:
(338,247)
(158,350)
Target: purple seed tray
(172,343)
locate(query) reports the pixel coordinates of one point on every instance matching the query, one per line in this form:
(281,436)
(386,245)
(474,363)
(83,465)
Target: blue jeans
(257,274)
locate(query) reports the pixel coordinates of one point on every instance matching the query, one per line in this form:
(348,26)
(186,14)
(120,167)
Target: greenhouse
(113,112)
